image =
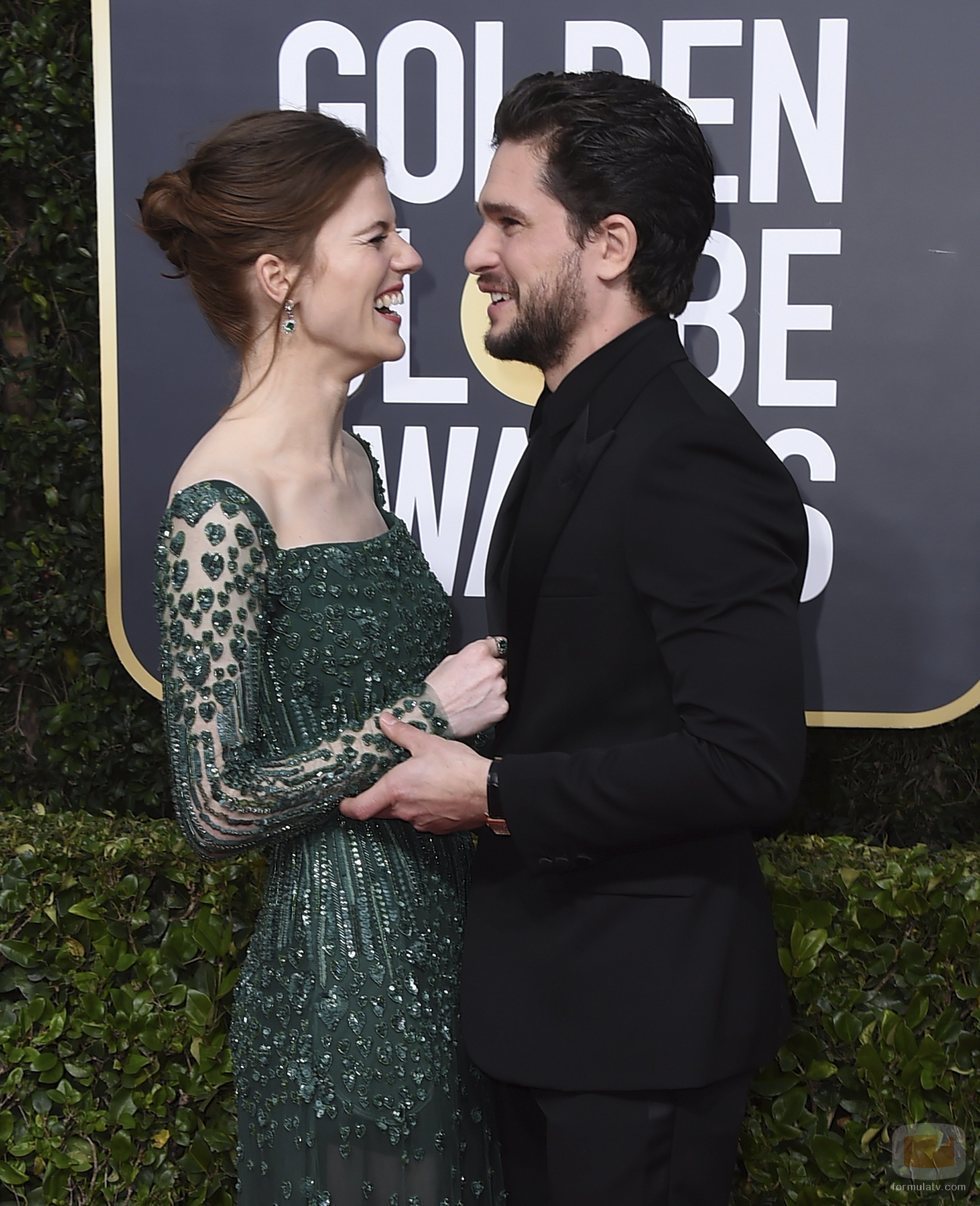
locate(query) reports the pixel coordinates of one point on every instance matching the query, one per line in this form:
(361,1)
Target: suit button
(562,863)
(584,860)
(545,864)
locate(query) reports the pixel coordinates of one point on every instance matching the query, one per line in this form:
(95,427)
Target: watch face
(493,798)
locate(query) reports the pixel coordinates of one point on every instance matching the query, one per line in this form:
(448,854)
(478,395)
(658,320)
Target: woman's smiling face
(345,301)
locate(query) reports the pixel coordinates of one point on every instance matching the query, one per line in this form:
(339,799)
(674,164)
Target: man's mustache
(492,284)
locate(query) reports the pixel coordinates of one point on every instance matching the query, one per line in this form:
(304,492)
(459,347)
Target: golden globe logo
(521,382)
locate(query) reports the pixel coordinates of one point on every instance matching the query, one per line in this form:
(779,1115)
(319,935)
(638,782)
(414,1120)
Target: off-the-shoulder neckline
(391,521)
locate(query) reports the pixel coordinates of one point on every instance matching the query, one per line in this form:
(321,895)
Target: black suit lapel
(500,543)
(519,553)
(544,515)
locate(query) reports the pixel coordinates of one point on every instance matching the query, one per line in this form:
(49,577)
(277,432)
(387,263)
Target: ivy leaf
(789,1106)
(11,1175)
(828,1152)
(198,1007)
(22,953)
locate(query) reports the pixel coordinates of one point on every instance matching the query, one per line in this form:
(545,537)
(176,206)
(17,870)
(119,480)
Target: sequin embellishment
(350,1083)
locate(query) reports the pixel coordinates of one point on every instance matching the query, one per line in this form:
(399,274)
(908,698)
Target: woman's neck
(297,404)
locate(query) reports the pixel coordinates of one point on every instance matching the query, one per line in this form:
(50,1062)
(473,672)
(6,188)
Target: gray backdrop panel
(897,628)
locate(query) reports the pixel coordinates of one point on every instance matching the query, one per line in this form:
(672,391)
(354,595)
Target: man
(620,980)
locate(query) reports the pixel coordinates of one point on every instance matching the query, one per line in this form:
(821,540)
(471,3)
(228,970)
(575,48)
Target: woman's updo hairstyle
(265,183)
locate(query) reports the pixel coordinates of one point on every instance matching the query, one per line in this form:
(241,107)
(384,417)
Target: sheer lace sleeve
(231,790)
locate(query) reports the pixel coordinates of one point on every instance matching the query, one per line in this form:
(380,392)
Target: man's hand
(442,788)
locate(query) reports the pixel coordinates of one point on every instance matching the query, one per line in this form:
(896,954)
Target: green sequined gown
(351,1086)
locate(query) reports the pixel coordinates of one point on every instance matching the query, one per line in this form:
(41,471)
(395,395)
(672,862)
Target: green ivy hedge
(118,955)
(120,951)
(880,950)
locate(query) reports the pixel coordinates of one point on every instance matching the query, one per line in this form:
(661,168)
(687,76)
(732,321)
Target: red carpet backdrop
(837,300)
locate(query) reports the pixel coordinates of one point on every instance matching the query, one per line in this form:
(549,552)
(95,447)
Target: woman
(293,610)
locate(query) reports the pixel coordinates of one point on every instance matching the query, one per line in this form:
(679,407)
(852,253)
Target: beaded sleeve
(232,790)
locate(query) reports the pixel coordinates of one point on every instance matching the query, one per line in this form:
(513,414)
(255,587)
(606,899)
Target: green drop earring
(289,322)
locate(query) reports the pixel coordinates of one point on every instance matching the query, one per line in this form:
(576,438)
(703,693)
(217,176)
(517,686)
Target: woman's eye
(378,240)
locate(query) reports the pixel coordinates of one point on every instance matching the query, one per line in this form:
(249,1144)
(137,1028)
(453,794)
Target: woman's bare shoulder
(223,455)
(361,459)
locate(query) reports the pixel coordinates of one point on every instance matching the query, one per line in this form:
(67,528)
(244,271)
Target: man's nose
(479,255)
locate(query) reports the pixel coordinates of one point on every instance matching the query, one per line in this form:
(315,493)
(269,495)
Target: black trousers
(666,1148)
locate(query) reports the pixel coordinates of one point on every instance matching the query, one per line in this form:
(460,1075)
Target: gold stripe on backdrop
(106,228)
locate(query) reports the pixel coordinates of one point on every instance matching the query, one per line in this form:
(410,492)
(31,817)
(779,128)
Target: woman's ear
(616,241)
(271,278)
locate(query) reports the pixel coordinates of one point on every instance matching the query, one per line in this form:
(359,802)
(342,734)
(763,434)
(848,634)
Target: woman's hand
(471,686)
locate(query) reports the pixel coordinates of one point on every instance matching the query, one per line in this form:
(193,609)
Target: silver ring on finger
(501,643)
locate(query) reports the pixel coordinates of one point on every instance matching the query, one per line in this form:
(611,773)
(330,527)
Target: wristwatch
(495,822)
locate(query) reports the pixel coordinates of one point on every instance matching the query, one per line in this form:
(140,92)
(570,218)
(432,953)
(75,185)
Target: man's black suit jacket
(621,938)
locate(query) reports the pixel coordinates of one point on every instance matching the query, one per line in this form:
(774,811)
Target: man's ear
(615,240)
(271,278)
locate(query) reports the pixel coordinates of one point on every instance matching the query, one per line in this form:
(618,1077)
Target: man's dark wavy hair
(614,144)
